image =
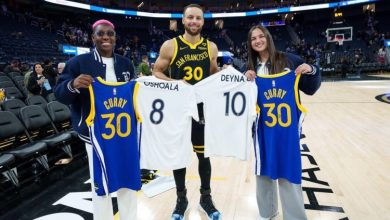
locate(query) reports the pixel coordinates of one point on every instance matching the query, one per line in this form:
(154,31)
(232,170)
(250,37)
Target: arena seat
(41,128)
(13,105)
(14,140)
(7,84)
(60,115)
(5,78)
(13,74)
(51,97)
(13,93)
(7,161)
(37,100)
(17,78)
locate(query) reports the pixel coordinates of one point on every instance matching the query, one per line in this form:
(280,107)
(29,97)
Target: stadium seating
(13,105)
(14,140)
(51,97)
(41,128)
(37,100)
(13,93)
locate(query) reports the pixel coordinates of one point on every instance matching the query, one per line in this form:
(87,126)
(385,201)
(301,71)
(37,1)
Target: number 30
(197,73)
(116,129)
(278,119)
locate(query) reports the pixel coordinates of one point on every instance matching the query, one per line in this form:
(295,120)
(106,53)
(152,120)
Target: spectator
(344,67)
(382,55)
(24,68)
(27,76)
(143,68)
(357,62)
(38,84)
(49,72)
(60,68)
(13,67)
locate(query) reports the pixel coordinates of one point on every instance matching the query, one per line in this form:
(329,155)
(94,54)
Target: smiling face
(193,20)
(104,38)
(259,41)
(38,69)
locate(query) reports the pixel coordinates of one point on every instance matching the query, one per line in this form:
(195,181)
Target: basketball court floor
(345,157)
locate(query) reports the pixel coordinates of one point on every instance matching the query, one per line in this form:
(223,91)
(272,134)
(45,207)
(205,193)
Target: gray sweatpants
(290,195)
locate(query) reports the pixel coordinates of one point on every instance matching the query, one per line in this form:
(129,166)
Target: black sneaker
(207,205)
(181,206)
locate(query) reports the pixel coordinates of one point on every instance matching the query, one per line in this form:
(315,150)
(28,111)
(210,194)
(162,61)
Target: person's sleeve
(308,83)
(33,86)
(64,91)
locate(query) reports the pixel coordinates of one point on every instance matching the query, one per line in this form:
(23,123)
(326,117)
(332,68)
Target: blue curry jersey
(277,141)
(112,125)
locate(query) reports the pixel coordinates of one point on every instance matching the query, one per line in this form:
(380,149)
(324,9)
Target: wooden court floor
(345,157)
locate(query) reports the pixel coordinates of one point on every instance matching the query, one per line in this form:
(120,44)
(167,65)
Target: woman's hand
(250,74)
(304,69)
(82,81)
(41,81)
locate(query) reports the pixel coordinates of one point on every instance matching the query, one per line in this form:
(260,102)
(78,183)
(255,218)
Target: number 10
(233,105)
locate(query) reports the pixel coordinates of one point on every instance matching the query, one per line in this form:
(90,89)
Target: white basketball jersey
(229,110)
(166,109)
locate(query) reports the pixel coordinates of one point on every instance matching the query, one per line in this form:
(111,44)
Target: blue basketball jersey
(112,125)
(277,146)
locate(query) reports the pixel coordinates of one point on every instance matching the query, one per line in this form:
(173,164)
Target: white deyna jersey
(229,110)
(166,110)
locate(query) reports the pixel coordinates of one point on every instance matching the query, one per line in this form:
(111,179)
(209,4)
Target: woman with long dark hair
(38,84)
(281,117)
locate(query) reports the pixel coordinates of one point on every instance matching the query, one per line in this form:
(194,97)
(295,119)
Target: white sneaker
(270,218)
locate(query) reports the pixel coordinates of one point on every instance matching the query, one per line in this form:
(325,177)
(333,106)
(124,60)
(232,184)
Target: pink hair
(102,21)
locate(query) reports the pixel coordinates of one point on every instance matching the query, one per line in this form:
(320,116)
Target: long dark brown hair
(276,58)
(33,69)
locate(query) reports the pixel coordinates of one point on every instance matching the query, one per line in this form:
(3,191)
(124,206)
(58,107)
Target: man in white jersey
(166,109)
(230,110)
(72,90)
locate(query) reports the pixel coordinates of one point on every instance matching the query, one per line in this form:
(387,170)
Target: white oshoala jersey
(166,109)
(229,110)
